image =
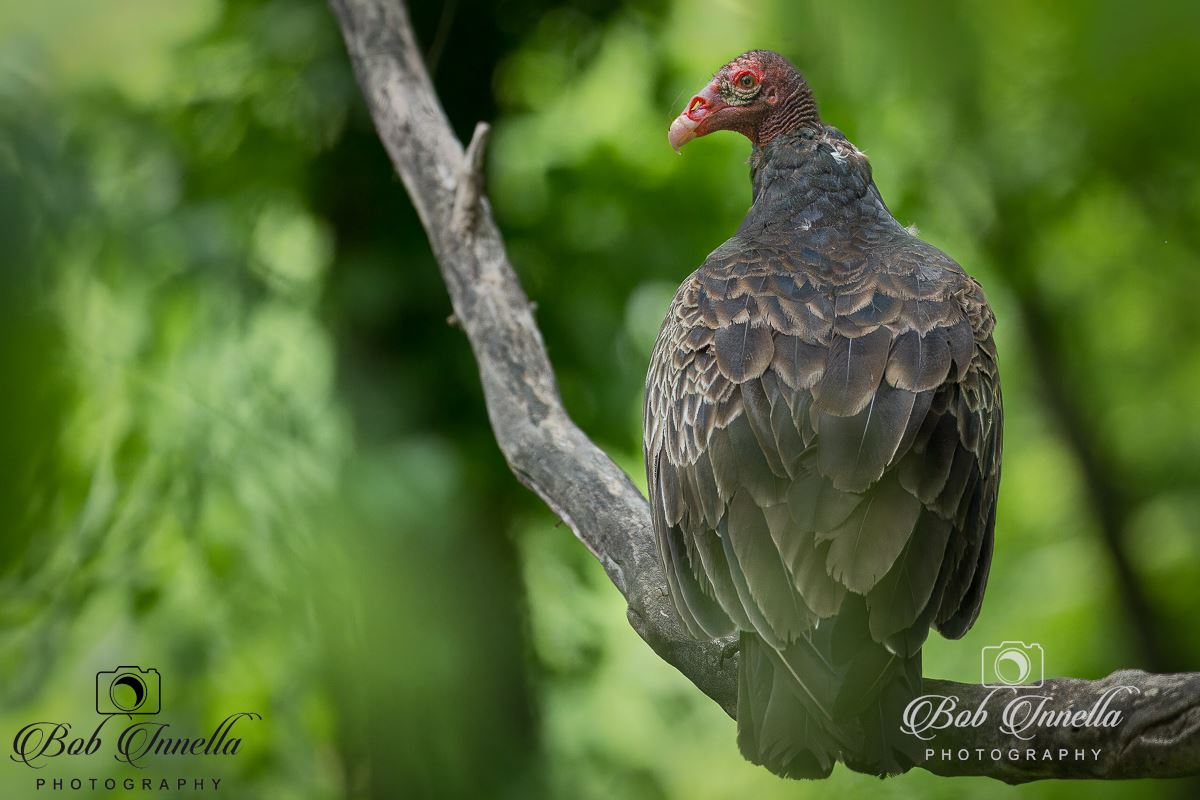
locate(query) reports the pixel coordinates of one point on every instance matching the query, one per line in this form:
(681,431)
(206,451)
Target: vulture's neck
(813,179)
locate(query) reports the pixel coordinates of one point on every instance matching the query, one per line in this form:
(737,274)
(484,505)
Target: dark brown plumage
(822,439)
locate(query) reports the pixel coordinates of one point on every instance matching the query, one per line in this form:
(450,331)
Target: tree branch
(552,456)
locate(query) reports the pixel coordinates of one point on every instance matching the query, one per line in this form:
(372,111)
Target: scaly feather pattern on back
(823,431)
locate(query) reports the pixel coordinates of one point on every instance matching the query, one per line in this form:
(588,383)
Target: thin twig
(470,182)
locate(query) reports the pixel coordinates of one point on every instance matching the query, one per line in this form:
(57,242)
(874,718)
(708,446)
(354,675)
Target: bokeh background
(240,443)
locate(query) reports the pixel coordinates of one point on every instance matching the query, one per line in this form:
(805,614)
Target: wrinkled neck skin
(812,179)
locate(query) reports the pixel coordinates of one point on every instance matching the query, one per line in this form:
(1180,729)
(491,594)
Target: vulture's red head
(759,94)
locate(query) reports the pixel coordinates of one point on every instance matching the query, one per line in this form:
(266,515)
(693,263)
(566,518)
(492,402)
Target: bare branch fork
(1157,736)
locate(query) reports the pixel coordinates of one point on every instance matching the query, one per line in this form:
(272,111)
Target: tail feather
(834,695)
(781,724)
(884,749)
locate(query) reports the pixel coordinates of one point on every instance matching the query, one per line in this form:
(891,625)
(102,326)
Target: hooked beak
(691,123)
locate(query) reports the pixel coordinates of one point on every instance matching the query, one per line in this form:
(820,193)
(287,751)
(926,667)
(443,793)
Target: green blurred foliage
(241,444)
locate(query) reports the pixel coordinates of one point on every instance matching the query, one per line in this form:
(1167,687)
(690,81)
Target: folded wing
(813,433)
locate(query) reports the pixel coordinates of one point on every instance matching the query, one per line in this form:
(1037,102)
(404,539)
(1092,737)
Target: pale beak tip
(682,131)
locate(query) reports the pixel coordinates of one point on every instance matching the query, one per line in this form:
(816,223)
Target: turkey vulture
(822,438)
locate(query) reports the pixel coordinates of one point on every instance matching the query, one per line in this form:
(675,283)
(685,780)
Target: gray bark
(548,453)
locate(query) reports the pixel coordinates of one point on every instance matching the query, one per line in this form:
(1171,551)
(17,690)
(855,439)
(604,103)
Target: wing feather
(811,433)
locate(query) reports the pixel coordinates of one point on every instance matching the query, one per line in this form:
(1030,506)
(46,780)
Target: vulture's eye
(745,80)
